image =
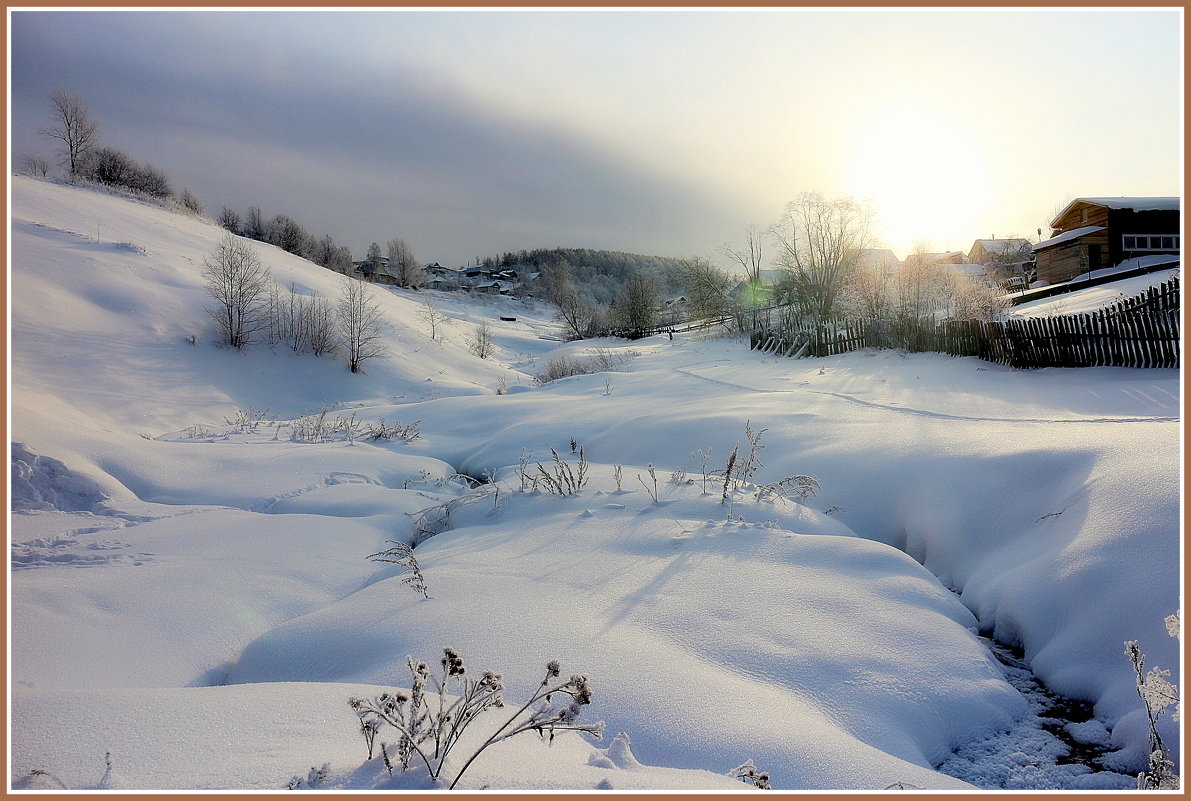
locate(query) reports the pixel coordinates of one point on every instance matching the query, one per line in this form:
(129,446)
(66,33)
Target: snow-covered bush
(749,774)
(562,365)
(430,722)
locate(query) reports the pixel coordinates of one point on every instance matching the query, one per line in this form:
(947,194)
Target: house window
(1145,242)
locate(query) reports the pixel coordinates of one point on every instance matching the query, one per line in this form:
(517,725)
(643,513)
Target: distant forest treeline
(599,275)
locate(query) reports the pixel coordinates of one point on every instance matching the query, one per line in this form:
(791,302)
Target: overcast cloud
(470,133)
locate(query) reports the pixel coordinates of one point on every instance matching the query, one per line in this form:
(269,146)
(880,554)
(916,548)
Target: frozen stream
(1057,745)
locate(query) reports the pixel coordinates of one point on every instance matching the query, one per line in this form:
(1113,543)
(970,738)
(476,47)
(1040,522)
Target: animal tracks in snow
(73,552)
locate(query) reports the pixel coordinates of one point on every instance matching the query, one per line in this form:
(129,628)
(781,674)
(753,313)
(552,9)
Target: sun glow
(926,172)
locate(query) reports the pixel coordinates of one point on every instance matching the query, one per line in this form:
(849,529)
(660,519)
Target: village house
(1008,261)
(985,250)
(442,278)
(1095,232)
(377,274)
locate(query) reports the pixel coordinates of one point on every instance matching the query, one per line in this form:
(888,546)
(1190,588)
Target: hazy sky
(664,132)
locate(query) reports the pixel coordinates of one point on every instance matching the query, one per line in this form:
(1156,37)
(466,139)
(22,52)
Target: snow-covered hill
(227,609)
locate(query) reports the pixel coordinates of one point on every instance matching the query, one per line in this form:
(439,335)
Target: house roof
(1134,203)
(1067,236)
(999,245)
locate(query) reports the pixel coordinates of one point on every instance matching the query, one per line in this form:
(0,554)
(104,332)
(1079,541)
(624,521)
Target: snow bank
(158,547)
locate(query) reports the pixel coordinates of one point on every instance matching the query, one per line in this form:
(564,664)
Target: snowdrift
(192,580)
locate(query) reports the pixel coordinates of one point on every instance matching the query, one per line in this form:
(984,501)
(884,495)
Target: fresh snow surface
(1091,299)
(192,584)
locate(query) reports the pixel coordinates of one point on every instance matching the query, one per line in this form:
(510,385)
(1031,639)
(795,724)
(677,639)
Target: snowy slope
(226,577)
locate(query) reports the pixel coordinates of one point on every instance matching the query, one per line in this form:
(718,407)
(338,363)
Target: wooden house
(1095,232)
(985,250)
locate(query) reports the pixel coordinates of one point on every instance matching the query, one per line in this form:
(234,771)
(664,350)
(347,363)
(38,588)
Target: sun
(926,172)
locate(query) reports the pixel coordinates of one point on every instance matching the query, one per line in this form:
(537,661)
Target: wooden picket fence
(1142,331)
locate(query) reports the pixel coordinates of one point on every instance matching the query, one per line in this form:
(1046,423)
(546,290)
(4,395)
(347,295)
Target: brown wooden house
(1095,232)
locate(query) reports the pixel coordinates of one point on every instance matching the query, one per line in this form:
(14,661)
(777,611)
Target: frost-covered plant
(523,469)
(729,472)
(704,458)
(618,475)
(560,478)
(802,486)
(403,555)
(1157,693)
(749,774)
(246,420)
(430,723)
(653,493)
(752,462)
(436,519)
(313,428)
(382,430)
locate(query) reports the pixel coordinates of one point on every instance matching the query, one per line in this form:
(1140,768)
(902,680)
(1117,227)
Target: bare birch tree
(361,326)
(73,127)
(750,258)
(239,285)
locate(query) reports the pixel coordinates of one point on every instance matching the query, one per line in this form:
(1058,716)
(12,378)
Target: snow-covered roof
(1134,203)
(973,270)
(1067,236)
(999,245)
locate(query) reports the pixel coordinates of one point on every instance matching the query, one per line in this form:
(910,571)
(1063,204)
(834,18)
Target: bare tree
(480,342)
(435,318)
(286,233)
(239,285)
(36,166)
(707,288)
(190,202)
(361,326)
(403,266)
(750,258)
(229,218)
(321,333)
(151,181)
(341,260)
(635,310)
(73,127)
(580,318)
(322,251)
(818,244)
(107,165)
(254,224)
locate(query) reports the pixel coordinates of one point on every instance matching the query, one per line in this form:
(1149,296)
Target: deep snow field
(190,590)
